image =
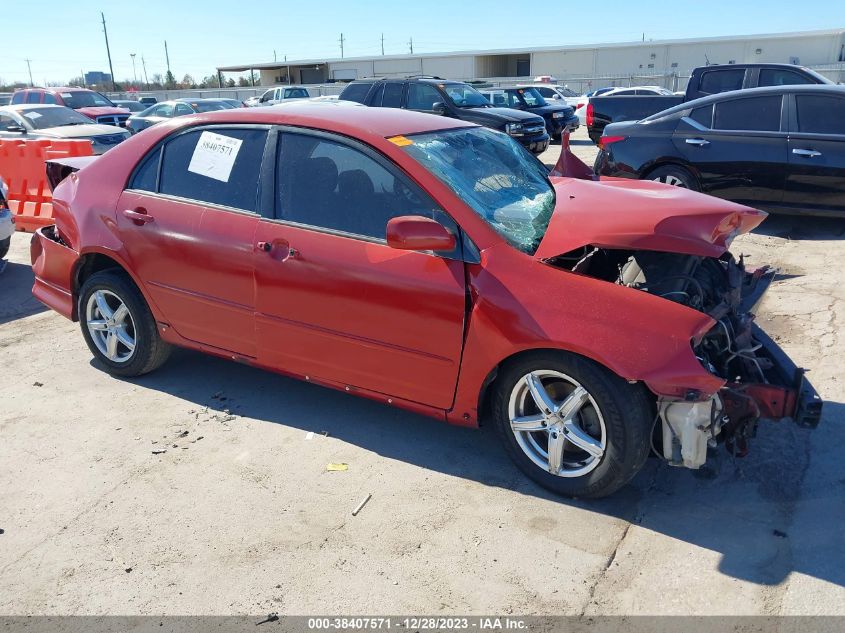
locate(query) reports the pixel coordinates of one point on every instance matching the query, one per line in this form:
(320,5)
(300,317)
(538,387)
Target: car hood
(501,115)
(86,130)
(552,107)
(642,215)
(102,111)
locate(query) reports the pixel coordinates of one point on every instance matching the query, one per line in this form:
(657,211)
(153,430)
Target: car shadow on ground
(796,227)
(16,300)
(741,509)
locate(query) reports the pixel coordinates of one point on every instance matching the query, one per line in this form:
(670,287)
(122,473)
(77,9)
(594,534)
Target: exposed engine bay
(760,381)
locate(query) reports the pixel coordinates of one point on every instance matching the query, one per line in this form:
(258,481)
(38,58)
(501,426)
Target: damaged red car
(432,265)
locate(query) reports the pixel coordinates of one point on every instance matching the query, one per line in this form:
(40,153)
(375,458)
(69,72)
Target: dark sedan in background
(130,104)
(779,149)
(556,115)
(169,109)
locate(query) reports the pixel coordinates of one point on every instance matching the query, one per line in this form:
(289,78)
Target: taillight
(604,141)
(589,114)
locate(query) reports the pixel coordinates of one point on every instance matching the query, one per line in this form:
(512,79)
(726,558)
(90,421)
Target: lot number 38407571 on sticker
(214,156)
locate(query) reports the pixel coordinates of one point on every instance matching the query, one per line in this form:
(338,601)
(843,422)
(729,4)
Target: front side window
(164,110)
(761,114)
(182,109)
(330,185)
(48,98)
(465,96)
(532,98)
(782,77)
(495,176)
(392,94)
(296,93)
(218,166)
(267,96)
(498,99)
(85,99)
(18,97)
(819,114)
(356,92)
(422,97)
(716,81)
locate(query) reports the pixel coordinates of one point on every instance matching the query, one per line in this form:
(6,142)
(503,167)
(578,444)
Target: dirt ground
(240,516)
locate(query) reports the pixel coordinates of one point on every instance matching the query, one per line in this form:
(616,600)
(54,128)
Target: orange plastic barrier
(22,167)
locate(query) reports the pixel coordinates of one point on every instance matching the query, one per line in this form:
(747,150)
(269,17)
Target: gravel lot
(240,516)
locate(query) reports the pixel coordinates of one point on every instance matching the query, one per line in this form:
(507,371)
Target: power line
(108,51)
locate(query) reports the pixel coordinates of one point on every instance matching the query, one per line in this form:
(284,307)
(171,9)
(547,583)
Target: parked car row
(30,121)
(165,110)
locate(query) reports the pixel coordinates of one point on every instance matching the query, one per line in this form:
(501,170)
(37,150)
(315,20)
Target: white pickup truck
(278,95)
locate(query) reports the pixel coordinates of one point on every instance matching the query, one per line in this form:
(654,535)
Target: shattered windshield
(495,176)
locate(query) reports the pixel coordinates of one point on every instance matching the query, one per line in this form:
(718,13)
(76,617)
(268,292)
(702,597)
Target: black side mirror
(438,107)
(14,127)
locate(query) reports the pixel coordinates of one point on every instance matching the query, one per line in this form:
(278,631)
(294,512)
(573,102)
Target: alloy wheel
(669,179)
(110,325)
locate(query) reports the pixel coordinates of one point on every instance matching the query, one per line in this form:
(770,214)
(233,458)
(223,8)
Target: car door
(183,109)
(333,301)
(187,222)
(816,173)
(422,97)
(738,148)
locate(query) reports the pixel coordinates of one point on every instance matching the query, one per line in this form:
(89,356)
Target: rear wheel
(571,425)
(118,326)
(674,175)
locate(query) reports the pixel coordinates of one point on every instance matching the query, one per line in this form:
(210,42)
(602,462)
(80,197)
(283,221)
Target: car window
(716,81)
(146,176)
(267,96)
(392,94)
(703,115)
(821,114)
(327,184)
(513,100)
(183,109)
(422,96)
(219,166)
(782,77)
(85,99)
(498,99)
(164,110)
(18,97)
(296,93)
(533,98)
(625,93)
(6,121)
(378,94)
(356,92)
(33,97)
(760,114)
(547,92)
(48,98)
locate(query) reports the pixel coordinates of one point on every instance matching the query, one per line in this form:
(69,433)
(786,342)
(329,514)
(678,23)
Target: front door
(333,301)
(188,221)
(739,149)
(816,173)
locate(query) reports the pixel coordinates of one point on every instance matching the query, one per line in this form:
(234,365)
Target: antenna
(341,45)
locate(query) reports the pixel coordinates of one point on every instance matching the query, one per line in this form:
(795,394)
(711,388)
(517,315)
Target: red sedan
(432,265)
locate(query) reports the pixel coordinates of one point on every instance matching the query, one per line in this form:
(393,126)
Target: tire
(674,175)
(4,246)
(614,419)
(109,337)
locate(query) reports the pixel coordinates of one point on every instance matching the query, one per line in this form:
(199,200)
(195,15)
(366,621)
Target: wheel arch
(670,162)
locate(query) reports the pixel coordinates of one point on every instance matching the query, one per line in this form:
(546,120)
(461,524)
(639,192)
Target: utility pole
(167,57)
(108,52)
(134,74)
(82,76)
(341,45)
(274,54)
(382,43)
(144,66)
(31,84)
(411,44)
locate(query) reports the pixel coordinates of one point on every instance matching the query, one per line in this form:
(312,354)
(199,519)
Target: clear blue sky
(63,37)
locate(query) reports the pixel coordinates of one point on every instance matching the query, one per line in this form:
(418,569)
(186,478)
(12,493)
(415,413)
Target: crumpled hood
(642,215)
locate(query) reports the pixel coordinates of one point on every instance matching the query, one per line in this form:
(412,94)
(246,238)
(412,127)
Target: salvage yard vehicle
(26,122)
(169,109)
(432,265)
(280,94)
(777,149)
(557,116)
(616,105)
(94,105)
(453,99)
(130,104)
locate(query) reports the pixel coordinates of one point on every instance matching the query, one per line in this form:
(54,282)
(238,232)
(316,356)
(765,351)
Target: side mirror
(438,107)
(418,233)
(16,128)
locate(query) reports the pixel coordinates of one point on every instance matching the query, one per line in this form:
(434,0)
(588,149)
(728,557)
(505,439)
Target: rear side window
(716,81)
(392,94)
(782,77)
(356,92)
(703,115)
(18,97)
(761,114)
(146,176)
(48,98)
(219,166)
(33,97)
(378,94)
(821,114)
(296,93)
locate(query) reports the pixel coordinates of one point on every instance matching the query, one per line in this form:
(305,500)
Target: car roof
(332,116)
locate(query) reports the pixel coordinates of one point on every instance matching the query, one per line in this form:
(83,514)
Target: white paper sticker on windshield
(214,156)
(67,95)
(32,115)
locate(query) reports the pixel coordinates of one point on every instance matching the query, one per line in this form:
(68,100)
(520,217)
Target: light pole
(134,74)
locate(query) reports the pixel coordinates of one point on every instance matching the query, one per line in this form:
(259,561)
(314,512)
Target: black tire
(4,246)
(625,408)
(674,175)
(150,352)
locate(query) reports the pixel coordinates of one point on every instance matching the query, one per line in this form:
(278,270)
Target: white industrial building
(664,62)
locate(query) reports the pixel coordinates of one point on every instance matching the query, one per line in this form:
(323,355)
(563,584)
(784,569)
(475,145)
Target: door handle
(808,153)
(280,250)
(139,216)
(698,142)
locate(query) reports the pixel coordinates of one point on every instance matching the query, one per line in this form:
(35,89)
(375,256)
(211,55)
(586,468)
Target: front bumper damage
(730,416)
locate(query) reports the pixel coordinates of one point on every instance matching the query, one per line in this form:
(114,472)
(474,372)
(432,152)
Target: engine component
(688,427)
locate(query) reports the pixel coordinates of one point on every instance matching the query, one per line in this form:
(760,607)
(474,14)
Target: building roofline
(535,49)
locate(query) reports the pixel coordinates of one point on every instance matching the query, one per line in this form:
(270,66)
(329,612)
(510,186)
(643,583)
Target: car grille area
(113,119)
(109,139)
(533,127)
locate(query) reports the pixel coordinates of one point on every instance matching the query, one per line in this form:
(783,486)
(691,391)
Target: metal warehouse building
(663,62)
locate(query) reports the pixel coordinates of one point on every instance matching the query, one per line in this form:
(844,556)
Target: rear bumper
(53,264)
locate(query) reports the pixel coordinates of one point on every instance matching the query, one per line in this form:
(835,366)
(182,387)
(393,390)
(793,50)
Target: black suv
(449,98)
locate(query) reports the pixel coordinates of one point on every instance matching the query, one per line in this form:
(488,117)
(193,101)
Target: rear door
(738,148)
(333,301)
(187,222)
(816,172)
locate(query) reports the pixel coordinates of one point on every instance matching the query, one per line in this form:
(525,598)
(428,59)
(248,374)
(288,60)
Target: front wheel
(674,175)
(571,425)
(118,326)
